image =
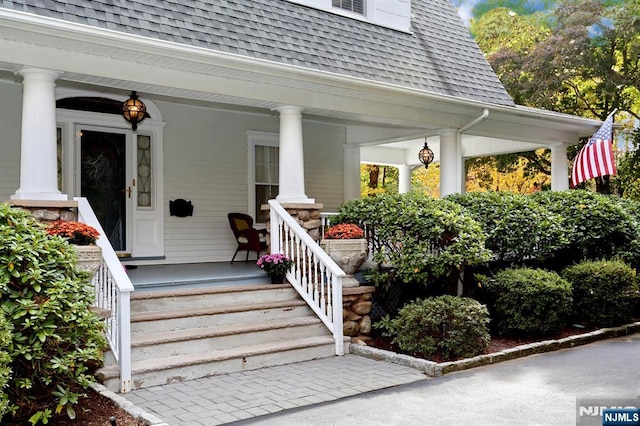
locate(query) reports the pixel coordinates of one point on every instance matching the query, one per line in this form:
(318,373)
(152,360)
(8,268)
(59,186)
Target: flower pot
(89,258)
(349,255)
(277,279)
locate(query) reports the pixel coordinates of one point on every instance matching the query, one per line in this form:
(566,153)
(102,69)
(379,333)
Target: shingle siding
(438,56)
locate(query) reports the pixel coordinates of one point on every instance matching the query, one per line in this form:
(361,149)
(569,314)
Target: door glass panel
(144,171)
(59,156)
(103,177)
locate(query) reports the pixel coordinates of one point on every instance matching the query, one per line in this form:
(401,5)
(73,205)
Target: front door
(105,180)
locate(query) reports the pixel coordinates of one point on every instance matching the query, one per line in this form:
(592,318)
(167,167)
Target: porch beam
(38,156)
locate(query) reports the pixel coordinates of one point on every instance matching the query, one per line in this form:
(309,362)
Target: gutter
(485,114)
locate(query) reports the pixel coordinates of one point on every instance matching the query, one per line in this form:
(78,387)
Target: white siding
(10,119)
(206,163)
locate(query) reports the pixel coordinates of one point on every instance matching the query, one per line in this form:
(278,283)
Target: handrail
(316,277)
(113,293)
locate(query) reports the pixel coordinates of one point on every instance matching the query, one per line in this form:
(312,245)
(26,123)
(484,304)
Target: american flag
(596,157)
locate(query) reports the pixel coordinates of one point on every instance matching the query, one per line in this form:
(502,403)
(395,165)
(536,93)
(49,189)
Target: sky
(464,9)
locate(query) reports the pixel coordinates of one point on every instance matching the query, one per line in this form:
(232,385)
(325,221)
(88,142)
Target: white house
(228,84)
(246,101)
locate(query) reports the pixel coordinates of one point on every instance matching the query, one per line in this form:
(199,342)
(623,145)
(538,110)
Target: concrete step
(209,339)
(179,368)
(209,297)
(190,333)
(184,319)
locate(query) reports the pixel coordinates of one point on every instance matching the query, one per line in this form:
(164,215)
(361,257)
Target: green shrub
(632,208)
(421,237)
(464,322)
(602,291)
(5,370)
(598,228)
(56,342)
(517,227)
(528,302)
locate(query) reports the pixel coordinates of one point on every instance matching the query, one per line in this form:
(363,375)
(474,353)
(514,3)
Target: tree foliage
(576,57)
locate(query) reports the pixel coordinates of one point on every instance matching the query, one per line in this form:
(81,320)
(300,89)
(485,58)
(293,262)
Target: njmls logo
(599,411)
(618,412)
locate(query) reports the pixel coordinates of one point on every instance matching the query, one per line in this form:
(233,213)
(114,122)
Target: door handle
(128,191)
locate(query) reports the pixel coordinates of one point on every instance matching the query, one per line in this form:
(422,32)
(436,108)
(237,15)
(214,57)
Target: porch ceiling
(406,152)
(375,113)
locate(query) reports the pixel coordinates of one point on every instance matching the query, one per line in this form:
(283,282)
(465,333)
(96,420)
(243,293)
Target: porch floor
(191,275)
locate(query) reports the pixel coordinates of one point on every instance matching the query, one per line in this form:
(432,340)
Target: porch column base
(295,200)
(48,210)
(52,196)
(308,216)
(356,309)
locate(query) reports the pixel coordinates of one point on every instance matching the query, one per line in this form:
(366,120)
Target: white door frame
(146,227)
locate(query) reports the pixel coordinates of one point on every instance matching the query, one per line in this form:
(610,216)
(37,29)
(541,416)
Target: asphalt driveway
(543,389)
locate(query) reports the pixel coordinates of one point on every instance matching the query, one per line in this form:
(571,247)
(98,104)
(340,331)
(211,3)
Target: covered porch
(195,275)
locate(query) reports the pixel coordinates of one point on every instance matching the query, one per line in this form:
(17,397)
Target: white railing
(112,293)
(314,275)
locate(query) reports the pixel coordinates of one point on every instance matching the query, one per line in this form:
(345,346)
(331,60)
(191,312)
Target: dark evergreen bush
(598,228)
(455,327)
(517,228)
(420,237)
(603,292)
(528,302)
(5,360)
(56,342)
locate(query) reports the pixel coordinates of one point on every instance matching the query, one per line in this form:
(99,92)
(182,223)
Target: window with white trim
(264,172)
(355,6)
(267,175)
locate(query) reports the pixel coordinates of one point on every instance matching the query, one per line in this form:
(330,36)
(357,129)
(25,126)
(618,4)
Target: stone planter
(89,258)
(349,255)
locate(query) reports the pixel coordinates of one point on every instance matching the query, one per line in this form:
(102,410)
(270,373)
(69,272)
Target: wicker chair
(247,237)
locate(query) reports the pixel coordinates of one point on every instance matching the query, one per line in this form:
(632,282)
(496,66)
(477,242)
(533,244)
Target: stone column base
(47,211)
(356,309)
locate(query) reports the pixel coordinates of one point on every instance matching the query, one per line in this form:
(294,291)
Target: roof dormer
(395,14)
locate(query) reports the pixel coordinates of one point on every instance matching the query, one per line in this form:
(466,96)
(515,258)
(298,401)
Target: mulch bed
(97,410)
(496,344)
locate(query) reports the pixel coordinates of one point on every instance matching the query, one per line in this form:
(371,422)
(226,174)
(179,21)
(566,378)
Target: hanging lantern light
(426,155)
(134,110)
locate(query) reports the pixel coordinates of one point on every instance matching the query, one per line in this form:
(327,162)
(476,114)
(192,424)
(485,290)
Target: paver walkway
(237,396)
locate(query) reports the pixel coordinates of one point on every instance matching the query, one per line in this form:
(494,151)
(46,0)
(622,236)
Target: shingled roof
(439,55)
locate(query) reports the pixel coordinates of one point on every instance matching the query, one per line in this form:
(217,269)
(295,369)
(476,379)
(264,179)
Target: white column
(450,160)
(351,172)
(291,185)
(404,179)
(38,155)
(559,172)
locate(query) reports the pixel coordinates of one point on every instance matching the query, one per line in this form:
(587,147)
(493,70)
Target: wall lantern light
(134,110)
(425,155)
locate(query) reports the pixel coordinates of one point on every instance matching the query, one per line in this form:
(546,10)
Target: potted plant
(276,265)
(346,245)
(83,237)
